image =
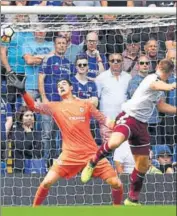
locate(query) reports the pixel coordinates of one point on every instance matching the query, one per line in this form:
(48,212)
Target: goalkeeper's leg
(44,187)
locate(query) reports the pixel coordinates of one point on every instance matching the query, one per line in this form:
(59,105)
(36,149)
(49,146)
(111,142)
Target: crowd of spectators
(104,66)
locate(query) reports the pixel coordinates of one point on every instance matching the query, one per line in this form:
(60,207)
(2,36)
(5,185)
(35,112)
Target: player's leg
(115,141)
(137,178)
(140,147)
(55,173)
(51,177)
(117,189)
(105,171)
(120,134)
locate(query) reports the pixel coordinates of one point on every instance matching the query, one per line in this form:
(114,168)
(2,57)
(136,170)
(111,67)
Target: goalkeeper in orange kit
(72,116)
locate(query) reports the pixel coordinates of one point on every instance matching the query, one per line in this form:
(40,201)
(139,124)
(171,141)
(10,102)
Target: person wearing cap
(163,155)
(131,54)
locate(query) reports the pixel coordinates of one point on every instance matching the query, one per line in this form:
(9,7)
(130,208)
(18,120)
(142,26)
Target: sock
(40,196)
(136,180)
(117,195)
(102,152)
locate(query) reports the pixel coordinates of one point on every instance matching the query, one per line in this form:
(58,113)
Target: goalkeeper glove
(15,82)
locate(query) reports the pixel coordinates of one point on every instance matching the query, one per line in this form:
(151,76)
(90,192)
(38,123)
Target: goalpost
(19,189)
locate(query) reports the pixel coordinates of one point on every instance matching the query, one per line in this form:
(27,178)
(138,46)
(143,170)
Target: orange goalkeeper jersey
(73,119)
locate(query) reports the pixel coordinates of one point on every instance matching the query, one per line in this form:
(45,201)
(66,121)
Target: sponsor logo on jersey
(81,109)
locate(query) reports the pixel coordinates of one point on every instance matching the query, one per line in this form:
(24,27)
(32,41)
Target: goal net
(24,165)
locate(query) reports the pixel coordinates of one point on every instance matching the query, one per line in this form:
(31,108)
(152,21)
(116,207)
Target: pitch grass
(90,211)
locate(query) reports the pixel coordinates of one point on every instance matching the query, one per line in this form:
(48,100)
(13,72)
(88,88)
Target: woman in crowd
(26,140)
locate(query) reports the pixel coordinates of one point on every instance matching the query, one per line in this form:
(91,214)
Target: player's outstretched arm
(166,108)
(162,86)
(102,119)
(20,85)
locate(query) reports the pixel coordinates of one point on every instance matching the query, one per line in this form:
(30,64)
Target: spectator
(151,49)
(110,40)
(112,90)
(86,89)
(115,4)
(53,68)
(123,158)
(143,68)
(11,57)
(163,156)
(125,163)
(171,120)
(97,62)
(175,157)
(131,54)
(82,86)
(87,4)
(5,3)
(72,49)
(25,139)
(6,124)
(44,3)
(34,52)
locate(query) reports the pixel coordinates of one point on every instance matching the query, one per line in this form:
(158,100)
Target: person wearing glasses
(86,89)
(97,62)
(112,90)
(144,66)
(131,53)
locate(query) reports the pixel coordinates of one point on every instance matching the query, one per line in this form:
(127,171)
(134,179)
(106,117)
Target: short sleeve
(105,62)
(149,80)
(94,92)
(26,49)
(9,110)
(99,85)
(44,68)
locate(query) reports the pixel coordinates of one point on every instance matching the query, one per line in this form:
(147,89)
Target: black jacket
(26,145)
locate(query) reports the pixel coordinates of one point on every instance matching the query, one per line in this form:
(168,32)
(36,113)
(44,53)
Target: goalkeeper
(72,115)
(131,125)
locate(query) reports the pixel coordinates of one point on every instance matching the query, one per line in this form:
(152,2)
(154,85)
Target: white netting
(18,188)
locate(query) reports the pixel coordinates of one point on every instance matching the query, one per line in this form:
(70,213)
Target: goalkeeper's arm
(102,119)
(34,106)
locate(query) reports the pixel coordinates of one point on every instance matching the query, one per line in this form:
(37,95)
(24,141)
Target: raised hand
(15,82)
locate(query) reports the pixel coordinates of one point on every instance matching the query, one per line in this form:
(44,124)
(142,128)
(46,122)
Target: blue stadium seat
(3,167)
(35,166)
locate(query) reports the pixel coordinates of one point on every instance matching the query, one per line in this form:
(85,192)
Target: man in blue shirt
(34,52)
(53,68)
(44,3)
(86,89)
(171,120)
(11,57)
(72,49)
(6,124)
(97,62)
